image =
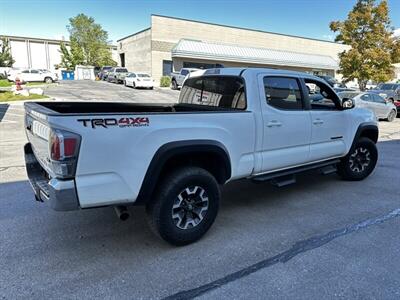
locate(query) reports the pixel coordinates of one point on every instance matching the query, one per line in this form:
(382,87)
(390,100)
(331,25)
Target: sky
(308,18)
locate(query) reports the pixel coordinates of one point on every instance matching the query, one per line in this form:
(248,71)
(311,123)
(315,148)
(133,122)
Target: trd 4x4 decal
(122,122)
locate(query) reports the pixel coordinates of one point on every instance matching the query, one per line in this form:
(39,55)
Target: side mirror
(347,103)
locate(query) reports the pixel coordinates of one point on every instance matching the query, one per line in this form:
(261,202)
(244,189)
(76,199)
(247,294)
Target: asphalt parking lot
(105,91)
(319,238)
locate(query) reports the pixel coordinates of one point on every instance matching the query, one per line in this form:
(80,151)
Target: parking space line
(283,257)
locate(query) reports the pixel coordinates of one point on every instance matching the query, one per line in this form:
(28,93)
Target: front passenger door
(328,122)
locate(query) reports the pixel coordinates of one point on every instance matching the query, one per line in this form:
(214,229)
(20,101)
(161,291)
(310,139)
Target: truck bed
(72,108)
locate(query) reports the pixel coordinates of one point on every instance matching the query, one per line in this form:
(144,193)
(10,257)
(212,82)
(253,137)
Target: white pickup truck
(229,124)
(178,78)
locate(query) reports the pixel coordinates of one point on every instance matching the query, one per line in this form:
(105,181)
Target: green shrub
(165,81)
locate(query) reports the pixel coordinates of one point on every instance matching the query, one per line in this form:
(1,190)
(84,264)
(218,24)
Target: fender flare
(169,150)
(362,128)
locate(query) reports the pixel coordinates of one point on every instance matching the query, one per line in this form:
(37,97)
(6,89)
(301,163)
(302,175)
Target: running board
(285,177)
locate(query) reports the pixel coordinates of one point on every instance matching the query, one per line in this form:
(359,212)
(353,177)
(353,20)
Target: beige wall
(137,49)
(171,30)
(166,32)
(146,50)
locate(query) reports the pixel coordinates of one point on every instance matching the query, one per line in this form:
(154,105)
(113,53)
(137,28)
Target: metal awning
(221,52)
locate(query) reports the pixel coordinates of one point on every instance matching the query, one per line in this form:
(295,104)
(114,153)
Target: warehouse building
(38,53)
(172,43)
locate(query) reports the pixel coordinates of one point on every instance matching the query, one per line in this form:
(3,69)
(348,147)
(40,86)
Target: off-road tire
(160,208)
(353,169)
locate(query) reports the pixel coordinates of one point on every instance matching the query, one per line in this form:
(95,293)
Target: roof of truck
(239,71)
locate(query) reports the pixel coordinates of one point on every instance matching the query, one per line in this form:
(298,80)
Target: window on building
(198,65)
(122,58)
(217,91)
(283,93)
(167,67)
(322,97)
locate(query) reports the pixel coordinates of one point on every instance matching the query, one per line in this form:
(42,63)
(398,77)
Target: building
(396,72)
(38,53)
(172,43)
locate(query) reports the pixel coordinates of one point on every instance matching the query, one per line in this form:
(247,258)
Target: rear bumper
(144,84)
(60,194)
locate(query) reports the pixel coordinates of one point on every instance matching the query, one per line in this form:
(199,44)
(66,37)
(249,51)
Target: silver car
(374,102)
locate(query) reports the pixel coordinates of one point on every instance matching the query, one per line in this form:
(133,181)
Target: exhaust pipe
(122,212)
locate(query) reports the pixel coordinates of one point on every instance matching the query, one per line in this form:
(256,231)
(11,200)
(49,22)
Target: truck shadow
(3,110)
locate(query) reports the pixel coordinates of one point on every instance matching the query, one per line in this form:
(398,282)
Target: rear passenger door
(287,123)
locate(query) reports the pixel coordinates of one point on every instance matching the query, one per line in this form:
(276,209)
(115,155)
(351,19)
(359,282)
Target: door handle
(318,122)
(274,123)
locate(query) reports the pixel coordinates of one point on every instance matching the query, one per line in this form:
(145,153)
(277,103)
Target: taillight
(64,148)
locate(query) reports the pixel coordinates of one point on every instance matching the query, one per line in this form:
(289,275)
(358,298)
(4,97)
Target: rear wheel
(185,206)
(48,80)
(392,115)
(360,162)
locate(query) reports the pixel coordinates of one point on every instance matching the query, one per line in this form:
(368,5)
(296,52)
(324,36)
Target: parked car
(139,80)
(117,75)
(177,78)
(389,91)
(374,102)
(33,75)
(104,72)
(229,124)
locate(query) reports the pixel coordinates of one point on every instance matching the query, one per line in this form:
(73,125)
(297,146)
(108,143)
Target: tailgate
(38,131)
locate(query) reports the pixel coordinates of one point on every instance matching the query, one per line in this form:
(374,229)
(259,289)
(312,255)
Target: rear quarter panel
(113,161)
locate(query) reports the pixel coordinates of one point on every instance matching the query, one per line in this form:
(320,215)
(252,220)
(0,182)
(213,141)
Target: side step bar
(286,177)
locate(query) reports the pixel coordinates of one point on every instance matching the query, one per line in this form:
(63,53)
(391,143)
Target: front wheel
(360,162)
(174,85)
(48,80)
(392,116)
(185,206)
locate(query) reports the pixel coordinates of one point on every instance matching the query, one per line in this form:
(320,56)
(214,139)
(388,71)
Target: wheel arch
(368,130)
(208,154)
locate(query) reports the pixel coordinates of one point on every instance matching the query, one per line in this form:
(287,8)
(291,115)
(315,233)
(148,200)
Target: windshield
(348,94)
(106,68)
(143,75)
(121,70)
(386,86)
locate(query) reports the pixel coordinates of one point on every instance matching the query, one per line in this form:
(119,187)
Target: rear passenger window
(217,91)
(367,97)
(283,93)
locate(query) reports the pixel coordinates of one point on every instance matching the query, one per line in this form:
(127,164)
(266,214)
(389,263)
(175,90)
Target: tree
(88,44)
(374,49)
(6,59)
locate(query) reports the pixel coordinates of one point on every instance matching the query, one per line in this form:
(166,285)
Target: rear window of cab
(217,91)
